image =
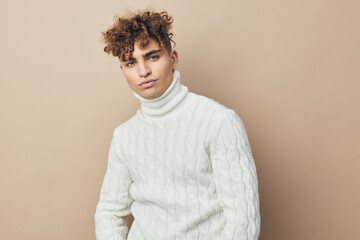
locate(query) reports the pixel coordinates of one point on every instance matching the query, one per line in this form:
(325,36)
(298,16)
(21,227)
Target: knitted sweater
(183,167)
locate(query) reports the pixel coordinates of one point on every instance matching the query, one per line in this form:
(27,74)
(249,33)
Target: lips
(147,83)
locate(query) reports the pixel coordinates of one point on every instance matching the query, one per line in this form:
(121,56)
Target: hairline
(160,47)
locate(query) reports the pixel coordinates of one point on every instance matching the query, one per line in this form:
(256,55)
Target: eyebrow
(145,55)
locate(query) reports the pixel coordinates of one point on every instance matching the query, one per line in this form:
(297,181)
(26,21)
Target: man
(182,166)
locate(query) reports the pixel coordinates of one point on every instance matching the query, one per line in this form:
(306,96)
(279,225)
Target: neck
(169,102)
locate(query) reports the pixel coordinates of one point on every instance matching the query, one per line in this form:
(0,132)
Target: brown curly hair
(138,27)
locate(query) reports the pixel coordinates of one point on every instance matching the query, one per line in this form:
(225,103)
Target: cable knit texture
(183,167)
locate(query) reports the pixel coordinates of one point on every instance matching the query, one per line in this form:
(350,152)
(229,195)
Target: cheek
(129,76)
(130,79)
(164,66)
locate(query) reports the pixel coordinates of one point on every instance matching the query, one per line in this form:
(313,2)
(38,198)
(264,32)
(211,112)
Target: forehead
(138,51)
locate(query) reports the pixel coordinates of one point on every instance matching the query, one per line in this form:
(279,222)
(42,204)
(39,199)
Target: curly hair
(138,27)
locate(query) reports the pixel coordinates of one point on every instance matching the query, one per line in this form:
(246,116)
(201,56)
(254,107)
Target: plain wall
(290,69)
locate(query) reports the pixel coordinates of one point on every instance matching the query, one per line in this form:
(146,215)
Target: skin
(150,63)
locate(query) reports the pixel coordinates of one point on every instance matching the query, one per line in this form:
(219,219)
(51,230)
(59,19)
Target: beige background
(290,69)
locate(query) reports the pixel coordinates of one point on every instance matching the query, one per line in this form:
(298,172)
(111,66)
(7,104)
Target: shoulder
(209,103)
(219,111)
(124,127)
(219,118)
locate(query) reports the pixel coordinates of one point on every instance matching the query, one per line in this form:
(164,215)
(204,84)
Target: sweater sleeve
(235,178)
(115,200)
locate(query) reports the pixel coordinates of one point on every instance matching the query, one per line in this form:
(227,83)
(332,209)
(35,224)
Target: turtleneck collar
(167,103)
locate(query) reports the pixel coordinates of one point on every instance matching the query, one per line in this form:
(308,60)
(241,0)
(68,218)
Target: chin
(149,95)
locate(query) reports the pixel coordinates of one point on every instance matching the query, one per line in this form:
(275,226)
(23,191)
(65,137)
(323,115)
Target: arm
(235,178)
(115,201)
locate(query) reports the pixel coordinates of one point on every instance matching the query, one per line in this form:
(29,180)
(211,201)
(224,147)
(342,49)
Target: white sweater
(183,167)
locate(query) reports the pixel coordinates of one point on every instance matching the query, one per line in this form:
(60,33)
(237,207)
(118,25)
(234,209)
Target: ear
(120,63)
(174,58)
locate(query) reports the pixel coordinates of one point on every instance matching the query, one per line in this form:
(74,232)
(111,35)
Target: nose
(144,69)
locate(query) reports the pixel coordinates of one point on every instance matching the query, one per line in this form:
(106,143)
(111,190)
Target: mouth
(147,83)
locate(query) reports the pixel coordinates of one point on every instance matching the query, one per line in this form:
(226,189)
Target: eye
(129,64)
(153,57)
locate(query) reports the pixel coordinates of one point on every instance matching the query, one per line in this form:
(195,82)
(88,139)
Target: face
(149,71)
